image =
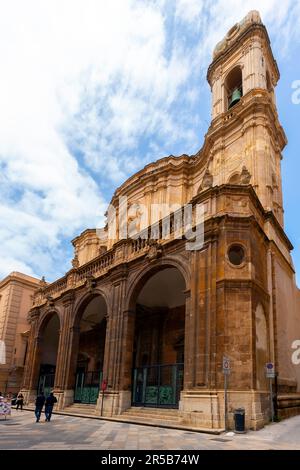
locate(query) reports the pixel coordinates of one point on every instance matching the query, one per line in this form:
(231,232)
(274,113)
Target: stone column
(29,388)
(199,405)
(68,340)
(114,397)
(60,389)
(195,352)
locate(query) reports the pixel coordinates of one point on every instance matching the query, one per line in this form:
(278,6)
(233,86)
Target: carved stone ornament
(43,282)
(75,262)
(90,282)
(155,250)
(207,181)
(245,176)
(50,301)
(33,315)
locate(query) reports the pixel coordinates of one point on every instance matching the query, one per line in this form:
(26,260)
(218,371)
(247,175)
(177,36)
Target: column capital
(187,293)
(68,298)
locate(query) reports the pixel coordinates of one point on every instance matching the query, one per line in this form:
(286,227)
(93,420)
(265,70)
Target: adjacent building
(16,294)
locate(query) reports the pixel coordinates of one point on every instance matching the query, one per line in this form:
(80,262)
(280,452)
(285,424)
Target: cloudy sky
(92,90)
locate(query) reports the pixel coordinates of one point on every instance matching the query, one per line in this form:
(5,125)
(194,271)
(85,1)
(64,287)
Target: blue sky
(91,91)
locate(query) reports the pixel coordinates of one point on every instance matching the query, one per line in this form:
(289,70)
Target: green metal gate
(87,386)
(46,383)
(157,386)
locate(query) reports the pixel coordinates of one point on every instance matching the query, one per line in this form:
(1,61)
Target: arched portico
(153,371)
(88,348)
(45,354)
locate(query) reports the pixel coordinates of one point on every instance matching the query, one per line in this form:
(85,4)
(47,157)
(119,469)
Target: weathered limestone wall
(288,325)
(16,293)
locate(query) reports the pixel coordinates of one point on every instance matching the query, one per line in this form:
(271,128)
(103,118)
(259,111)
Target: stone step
(83,405)
(152,411)
(148,418)
(81,409)
(155,421)
(155,416)
(142,415)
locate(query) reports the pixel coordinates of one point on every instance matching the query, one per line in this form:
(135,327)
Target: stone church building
(151,321)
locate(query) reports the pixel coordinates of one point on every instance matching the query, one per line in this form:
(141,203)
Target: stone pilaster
(61,385)
(33,358)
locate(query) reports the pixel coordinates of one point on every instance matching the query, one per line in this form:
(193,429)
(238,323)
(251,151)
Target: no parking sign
(270,370)
(226,365)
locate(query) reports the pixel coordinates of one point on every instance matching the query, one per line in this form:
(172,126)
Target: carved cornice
(243,284)
(238,43)
(255,105)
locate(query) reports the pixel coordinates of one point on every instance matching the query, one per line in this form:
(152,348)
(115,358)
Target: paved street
(20,431)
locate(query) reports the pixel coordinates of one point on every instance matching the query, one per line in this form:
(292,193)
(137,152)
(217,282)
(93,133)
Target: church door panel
(157,386)
(87,386)
(46,383)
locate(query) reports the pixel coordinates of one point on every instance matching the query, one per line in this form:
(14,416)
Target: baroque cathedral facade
(139,327)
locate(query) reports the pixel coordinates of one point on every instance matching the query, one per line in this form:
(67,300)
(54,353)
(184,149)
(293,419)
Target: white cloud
(189,10)
(83,84)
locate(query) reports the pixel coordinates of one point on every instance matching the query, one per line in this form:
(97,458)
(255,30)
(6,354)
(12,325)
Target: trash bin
(239,420)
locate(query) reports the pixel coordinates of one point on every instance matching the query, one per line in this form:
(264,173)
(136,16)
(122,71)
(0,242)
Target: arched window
(233,87)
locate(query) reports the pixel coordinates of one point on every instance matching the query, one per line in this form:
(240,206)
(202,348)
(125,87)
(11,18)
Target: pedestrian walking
(50,401)
(39,403)
(20,401)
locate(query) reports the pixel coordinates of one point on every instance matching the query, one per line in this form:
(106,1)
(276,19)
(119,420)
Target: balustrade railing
(168,228)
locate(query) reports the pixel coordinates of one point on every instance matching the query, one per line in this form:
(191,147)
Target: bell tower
(248,138)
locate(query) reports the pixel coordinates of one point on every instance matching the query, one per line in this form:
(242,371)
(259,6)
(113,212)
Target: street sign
(226,372)
(270,373)
(226,365)
(270,370)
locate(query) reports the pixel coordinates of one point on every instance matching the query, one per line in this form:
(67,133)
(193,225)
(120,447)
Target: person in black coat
(50,401)
(20,401)
(39,403)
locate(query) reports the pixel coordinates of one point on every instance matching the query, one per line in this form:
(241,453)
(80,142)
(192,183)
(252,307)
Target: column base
(206,409)
(200,409)
(64,398)
(29,396)
(114,402)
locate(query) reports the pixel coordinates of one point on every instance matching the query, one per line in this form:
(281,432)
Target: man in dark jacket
(39,403)
(50,401)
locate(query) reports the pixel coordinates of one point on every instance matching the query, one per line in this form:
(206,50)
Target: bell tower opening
(233,87)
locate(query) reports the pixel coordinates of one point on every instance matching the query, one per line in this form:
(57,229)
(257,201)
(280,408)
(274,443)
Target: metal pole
(275,398)
(271,401)
(225,400)
(102,402)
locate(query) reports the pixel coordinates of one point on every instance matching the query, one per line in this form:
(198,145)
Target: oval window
(236,255)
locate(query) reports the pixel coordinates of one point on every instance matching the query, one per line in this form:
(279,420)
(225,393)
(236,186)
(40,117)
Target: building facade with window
(148,316)
(16,293)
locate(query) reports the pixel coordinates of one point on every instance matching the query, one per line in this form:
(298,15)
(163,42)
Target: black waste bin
(239,420)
